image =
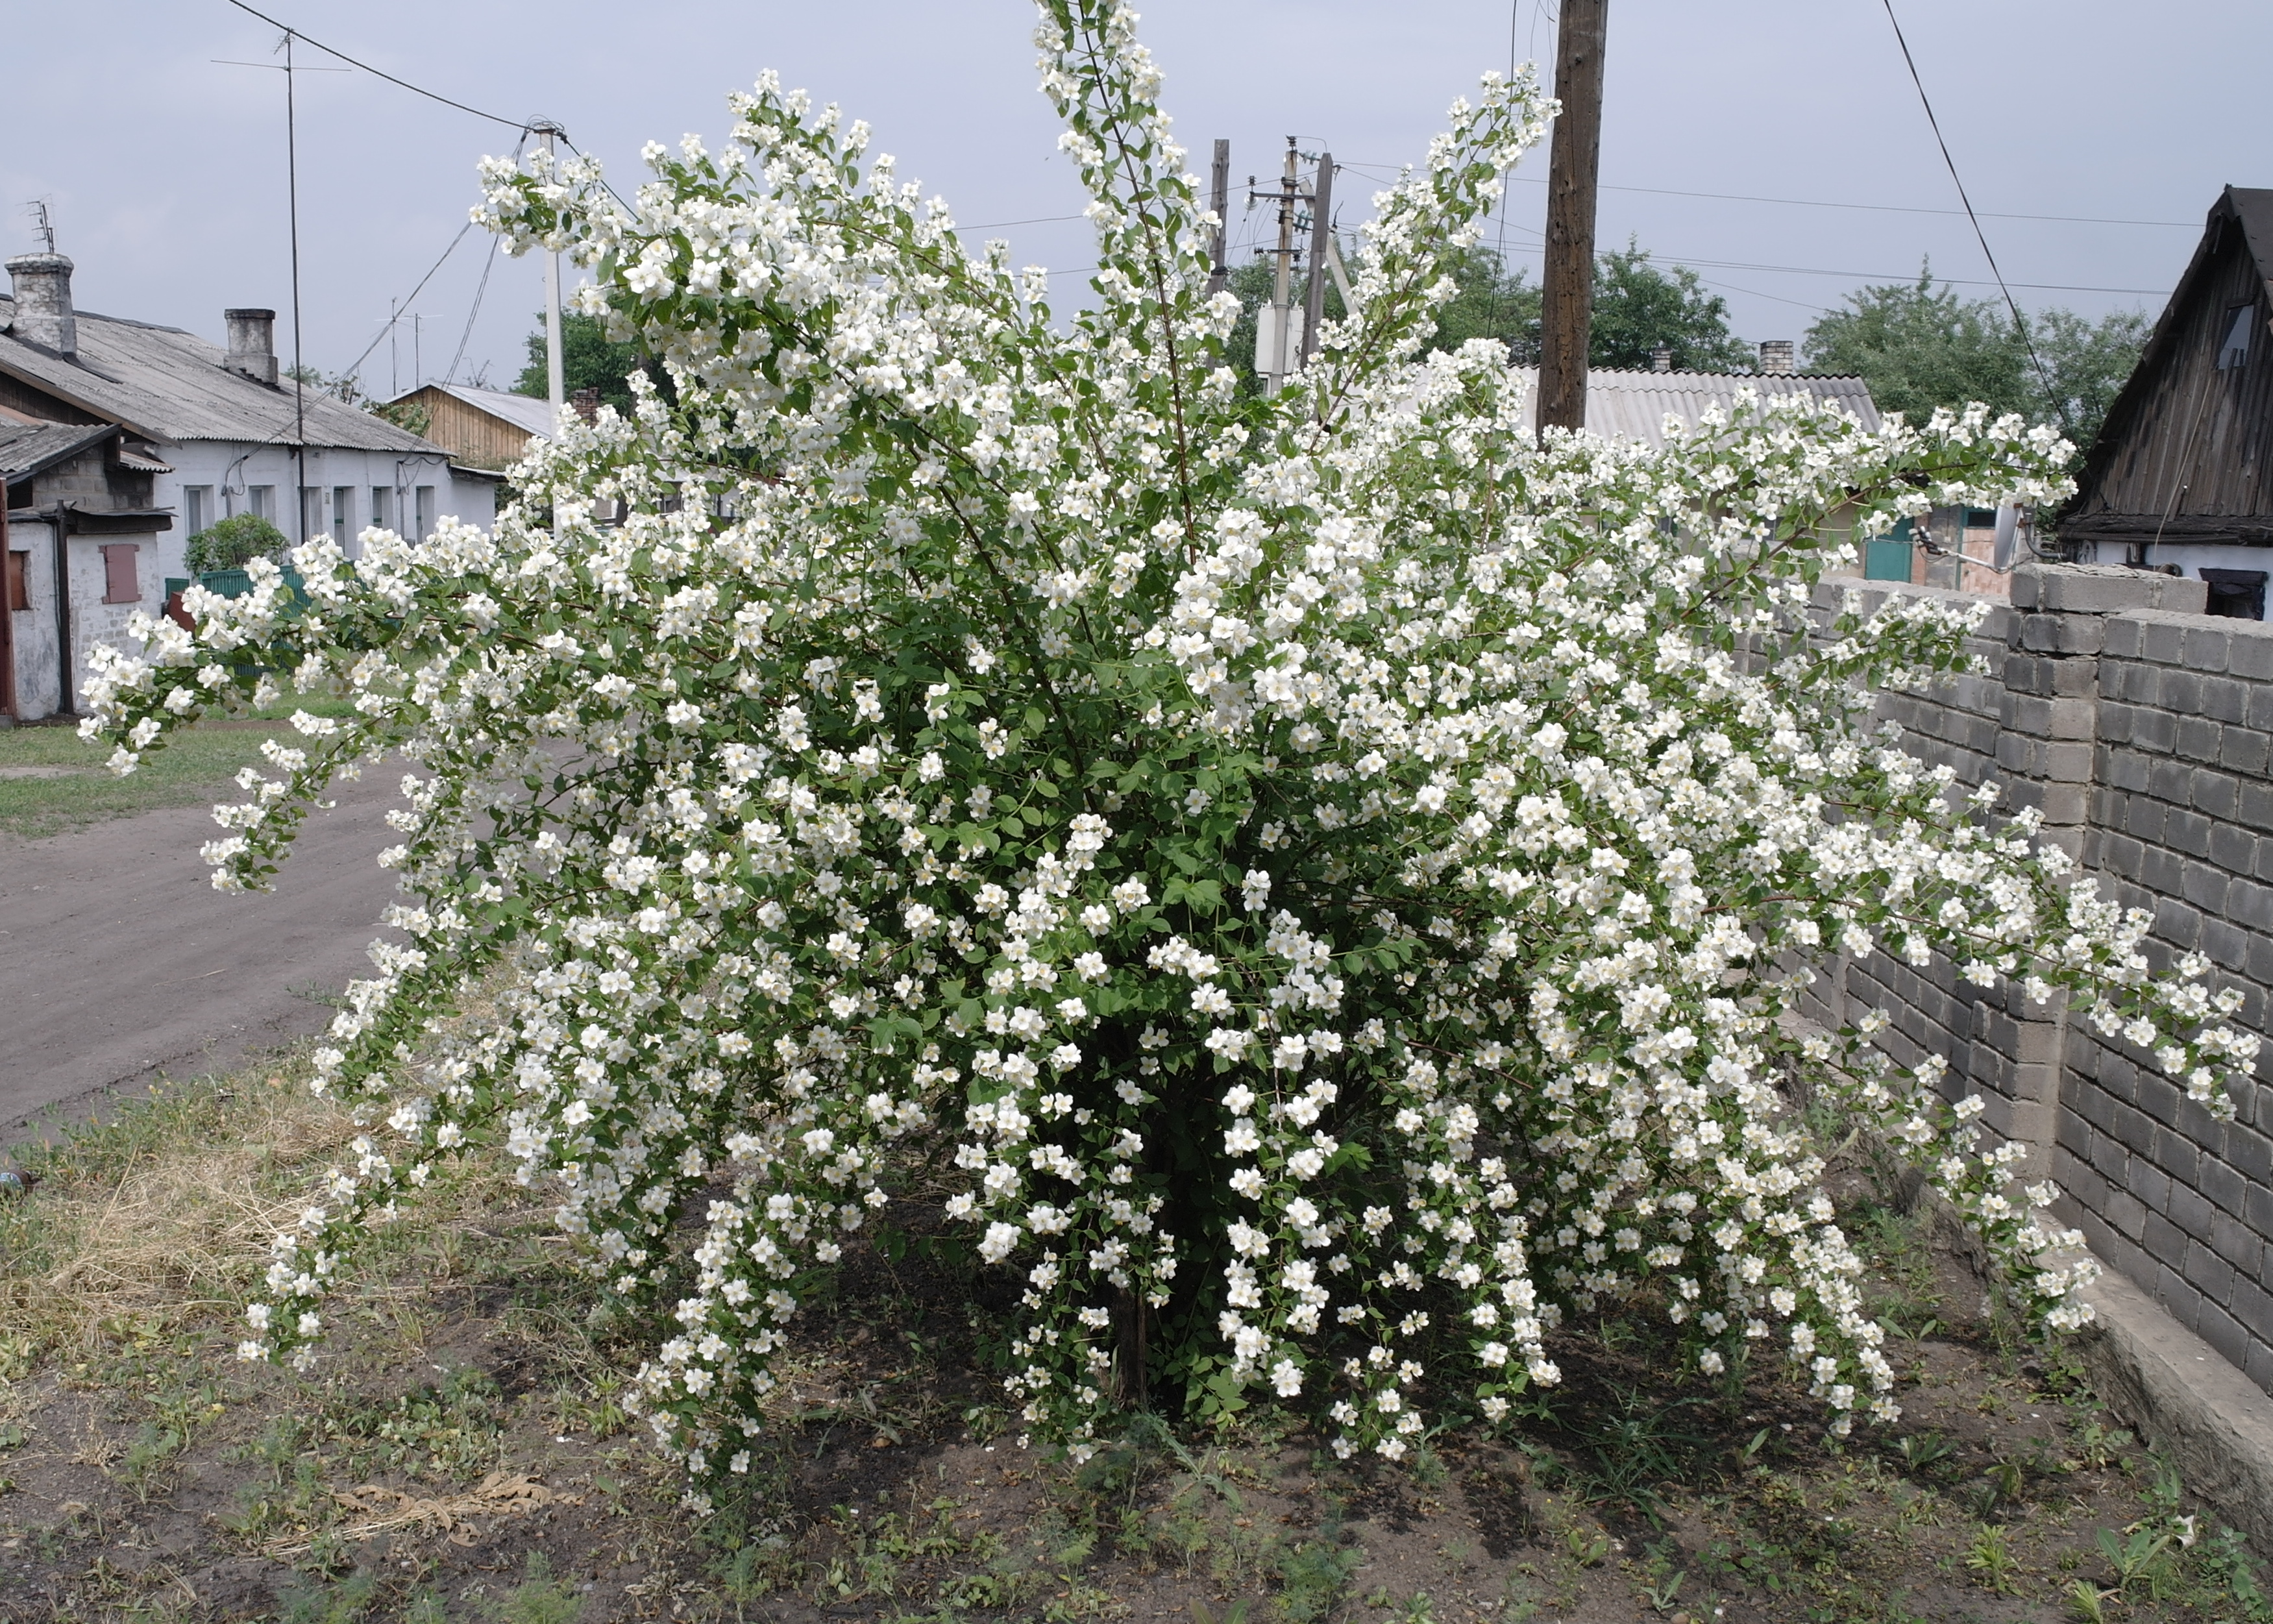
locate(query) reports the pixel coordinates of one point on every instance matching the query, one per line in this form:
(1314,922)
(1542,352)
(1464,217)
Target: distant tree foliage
(590,360)
(2089,362)
(1640,309)
(1920,347)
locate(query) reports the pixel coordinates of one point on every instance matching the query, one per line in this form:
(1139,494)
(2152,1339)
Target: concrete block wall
(2144,730)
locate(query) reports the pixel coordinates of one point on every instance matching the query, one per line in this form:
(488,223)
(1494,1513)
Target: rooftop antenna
(43,226)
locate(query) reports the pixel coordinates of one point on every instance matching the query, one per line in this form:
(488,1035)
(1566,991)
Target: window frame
(2240,319)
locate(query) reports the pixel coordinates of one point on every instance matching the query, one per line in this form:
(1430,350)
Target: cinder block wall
(2141,728)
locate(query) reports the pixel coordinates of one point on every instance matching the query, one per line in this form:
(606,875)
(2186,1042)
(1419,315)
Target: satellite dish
(2008,537)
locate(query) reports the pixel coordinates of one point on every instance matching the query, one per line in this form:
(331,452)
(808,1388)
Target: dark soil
(462,1454)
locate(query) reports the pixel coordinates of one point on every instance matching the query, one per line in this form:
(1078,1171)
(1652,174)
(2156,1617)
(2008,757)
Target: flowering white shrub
(1332,874)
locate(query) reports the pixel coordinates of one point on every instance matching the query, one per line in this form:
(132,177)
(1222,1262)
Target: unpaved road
(119,963)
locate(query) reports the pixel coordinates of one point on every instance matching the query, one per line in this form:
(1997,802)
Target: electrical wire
(2020,322)
(356,369)
(1391,171)
(511,124)
(480,290)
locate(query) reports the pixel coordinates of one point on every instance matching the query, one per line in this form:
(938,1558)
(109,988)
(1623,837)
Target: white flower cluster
(1331,873)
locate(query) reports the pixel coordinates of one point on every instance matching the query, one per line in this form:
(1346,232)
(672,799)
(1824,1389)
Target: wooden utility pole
(1314,306)
(1220,200)
(1568,292)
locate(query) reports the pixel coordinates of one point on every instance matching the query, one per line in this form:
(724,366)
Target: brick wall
(2142,729)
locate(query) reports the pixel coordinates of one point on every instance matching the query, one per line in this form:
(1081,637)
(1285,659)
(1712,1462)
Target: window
(19,584)
(342,512)
(260,500)
(196,509)
(425,510)
(381,505)
(2238,594)
(312,511)
(2234,350)
(121,578)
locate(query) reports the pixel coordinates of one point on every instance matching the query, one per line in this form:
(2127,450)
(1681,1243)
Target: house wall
(34,627)
(2142,730)
(230,469)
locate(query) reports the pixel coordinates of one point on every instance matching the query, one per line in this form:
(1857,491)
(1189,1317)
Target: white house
(215,432)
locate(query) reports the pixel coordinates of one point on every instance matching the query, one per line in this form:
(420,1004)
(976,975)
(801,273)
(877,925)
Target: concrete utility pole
(1568,292)
(1220,200)
(1314,306)
(555,388)
(1275,344)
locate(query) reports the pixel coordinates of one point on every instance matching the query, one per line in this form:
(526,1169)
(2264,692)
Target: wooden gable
(2187,452)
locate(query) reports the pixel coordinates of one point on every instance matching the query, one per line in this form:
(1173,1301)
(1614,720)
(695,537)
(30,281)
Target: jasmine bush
(1333,869)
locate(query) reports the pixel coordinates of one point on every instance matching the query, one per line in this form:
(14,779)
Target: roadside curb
(2182,1397)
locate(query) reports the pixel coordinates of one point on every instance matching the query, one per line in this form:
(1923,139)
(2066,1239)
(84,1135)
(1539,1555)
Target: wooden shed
(481,428)
(2181,475)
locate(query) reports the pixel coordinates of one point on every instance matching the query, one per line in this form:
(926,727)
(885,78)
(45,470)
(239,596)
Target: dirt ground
(461,1452)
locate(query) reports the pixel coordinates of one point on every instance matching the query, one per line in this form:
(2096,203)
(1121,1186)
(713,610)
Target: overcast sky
(165,172)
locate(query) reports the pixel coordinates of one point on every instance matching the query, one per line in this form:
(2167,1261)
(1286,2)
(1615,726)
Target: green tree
(1639,308)
(1919,347)
(589,359)
(2086,363)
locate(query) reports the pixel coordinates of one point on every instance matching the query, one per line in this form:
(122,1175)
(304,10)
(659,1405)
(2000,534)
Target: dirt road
(119,963)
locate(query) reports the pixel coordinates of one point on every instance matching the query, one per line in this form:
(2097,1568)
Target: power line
(422,281)
(1876,208)
(474,314)
(2020,324)
(495,118)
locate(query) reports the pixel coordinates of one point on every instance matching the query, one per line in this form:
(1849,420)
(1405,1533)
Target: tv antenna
(44,227)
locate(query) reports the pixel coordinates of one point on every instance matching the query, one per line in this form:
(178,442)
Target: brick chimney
(41,285)
(1775,357)
(586,404)
(251,344)
(1660,359)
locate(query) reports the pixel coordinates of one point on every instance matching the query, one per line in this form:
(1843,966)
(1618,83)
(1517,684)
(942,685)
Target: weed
(449,1430)
(2086,1603)
(1662,1593)
(1991,1557)
(1312,1576)
(1236,1614)
(1926,1454)
(145,1460)
(334,1604)
(2140,1557)
(1587,1546)
(539,1598)
(2097,1446)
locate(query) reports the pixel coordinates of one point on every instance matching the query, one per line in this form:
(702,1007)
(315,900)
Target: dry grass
(161,1216)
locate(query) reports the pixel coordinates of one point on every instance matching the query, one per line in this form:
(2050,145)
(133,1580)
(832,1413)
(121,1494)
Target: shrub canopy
(1314,883)
(233,543)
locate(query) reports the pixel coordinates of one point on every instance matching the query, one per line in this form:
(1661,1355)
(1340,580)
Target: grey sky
(166,171)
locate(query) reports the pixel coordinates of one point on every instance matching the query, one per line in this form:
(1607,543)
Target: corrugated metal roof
(1632,405)
(523,411)
(171,385)
(27,448)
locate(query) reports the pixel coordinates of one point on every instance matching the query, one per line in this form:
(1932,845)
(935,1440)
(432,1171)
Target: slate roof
(26,449)
(170,385)
(523,411)
(1633,405)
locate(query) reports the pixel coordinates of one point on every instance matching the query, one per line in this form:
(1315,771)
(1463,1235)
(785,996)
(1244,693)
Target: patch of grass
(195,767)
(159,1211)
